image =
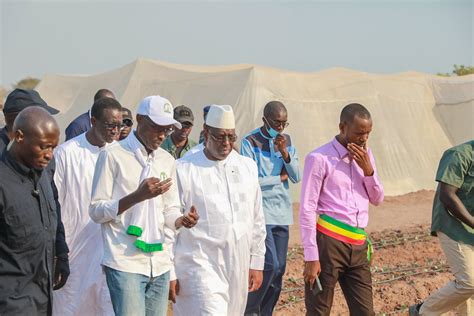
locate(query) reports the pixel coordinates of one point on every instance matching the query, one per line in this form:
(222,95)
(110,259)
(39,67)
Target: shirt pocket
(23,228)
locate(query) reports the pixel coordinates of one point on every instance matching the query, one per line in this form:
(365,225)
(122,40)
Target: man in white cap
(221,259)
(134,197)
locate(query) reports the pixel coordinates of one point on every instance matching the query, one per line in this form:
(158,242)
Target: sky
(90,37)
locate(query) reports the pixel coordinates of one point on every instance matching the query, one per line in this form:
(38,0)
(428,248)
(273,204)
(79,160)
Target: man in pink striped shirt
(339,181)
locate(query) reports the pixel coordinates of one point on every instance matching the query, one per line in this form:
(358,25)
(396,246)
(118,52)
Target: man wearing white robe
(86,291)
(221,259)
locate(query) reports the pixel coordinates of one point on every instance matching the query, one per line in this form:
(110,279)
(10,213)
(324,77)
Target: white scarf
(145,220)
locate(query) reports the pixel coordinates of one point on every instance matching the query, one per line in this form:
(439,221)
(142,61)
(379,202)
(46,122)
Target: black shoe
(414,310)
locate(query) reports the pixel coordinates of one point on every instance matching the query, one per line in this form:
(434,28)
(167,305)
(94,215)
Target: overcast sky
(88,37)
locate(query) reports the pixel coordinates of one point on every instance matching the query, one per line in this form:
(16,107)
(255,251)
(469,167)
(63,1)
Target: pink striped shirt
(333,184)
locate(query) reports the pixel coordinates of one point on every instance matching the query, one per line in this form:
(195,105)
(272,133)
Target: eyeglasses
(166,131)
(160,130)
(283,124)
(127,122)
(112,126)
(222,138)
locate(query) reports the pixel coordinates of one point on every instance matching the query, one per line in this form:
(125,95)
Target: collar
(173,145)
(91,147)
(341,150)
(19,168)
(219,163)
(135,144)
(261,133)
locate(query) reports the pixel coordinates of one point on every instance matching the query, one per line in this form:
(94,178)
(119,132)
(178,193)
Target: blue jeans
(263,301)
(137,294)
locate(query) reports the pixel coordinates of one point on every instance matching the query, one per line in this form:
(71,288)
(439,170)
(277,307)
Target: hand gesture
(174,290)
(189,220)
(152,187)
(255,279)
(280,142)
(311,271)
(361,157)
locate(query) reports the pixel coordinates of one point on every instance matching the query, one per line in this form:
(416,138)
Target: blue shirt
(79,125)
(277,204)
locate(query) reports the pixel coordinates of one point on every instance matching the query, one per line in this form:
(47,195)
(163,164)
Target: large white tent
(416,116)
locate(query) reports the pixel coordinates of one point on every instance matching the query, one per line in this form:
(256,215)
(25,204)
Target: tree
(460,70)
(27,83)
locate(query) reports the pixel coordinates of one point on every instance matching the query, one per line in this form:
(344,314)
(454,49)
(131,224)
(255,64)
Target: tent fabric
(416,116)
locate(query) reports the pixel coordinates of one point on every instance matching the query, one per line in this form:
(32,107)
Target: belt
(344,232)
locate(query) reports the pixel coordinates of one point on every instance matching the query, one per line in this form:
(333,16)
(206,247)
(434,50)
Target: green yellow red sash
(343,232)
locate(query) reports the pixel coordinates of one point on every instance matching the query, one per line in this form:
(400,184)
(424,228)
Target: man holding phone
(339,182)
(134,196)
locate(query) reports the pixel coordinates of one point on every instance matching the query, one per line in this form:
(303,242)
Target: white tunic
(212,259)
(85,292)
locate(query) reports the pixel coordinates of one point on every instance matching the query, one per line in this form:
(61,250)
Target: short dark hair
(103,104)
(273,107)
(103,93)
(352,110)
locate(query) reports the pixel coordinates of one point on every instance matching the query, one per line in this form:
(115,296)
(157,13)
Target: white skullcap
(221,116)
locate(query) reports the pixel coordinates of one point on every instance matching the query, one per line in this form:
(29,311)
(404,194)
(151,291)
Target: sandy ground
(407,266)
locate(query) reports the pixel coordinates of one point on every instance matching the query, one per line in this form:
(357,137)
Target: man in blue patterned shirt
(277,165)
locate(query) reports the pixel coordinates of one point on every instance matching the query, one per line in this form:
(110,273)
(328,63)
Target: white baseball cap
(159,110)
(220,116)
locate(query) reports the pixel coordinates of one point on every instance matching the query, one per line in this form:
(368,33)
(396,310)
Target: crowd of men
(126,214)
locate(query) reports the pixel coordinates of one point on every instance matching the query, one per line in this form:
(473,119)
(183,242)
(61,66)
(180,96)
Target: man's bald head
(34,120)
(36,134)
(273,108)
(103,93)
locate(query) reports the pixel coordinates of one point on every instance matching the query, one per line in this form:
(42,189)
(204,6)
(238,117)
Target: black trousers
(347,264)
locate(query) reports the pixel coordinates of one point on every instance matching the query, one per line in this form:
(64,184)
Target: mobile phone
(316,287)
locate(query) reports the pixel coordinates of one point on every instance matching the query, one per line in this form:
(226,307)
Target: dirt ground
(407,266)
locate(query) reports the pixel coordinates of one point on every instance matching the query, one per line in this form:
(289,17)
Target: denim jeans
(137,294)
(263,301)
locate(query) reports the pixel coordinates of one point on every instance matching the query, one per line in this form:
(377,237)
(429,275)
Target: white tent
(416,116)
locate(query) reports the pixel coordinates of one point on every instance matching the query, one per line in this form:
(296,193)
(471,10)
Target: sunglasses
(127,122)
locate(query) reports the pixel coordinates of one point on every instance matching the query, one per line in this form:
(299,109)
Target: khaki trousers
(458,293)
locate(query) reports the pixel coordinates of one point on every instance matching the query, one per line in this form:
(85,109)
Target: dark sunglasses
(127,122)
